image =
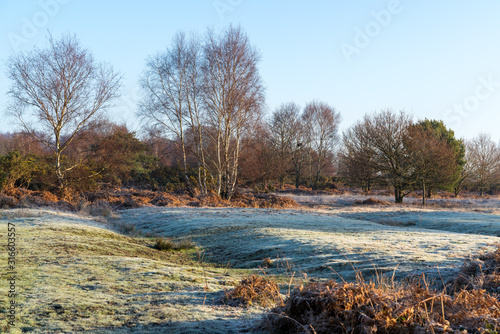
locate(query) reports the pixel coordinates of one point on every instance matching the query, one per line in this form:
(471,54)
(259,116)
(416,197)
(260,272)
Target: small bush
(266,262)
(254,290)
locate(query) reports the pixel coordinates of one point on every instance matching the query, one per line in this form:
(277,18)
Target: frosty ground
(81,274)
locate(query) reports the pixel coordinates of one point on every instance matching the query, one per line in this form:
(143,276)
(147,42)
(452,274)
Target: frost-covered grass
(323,243)
(76,274)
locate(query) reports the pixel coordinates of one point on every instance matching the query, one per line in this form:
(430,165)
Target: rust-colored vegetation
(254,290)
(468,304)
(131,198)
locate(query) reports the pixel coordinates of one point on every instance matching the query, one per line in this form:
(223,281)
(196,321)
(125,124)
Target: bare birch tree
(321,125)
(233,95)
(165,83)
(483,157)
(56,91)
(284,132)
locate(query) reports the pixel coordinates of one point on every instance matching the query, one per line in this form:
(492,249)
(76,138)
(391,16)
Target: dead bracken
(253,290)
(363,307)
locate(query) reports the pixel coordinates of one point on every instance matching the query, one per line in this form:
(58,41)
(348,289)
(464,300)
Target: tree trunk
(185,168)
(423,193)
(398,196)
(59,174)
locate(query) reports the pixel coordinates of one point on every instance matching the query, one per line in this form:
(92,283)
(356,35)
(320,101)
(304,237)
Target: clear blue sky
(434,59)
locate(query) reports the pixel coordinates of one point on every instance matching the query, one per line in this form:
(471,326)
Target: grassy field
(81,274)
(75,275)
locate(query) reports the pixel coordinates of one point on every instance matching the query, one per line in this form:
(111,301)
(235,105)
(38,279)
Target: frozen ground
(488,204)
(324,242)
(77,275)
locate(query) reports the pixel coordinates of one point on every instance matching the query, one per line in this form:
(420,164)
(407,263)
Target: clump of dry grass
(165,199)
(165,244)
(267,262)
(268,201)
(253,290)
(371,201)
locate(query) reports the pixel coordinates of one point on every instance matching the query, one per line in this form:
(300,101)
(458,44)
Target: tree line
(205,130)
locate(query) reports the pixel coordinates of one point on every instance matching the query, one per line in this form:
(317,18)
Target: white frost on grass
(73,276)
(39,217)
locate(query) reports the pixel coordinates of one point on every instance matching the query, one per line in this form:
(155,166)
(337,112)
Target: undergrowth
(254,290)
(469,303)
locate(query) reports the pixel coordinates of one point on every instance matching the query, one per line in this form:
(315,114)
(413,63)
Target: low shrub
(472,305)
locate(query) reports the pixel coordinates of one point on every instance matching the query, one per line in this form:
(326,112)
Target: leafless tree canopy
(380,139)
(212,89)
(233,96)
(171,86)
(321,124)
(432,160)
(286,136)
(56,91)
(483,160)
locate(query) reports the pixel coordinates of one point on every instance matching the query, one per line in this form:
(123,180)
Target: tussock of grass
(165,244)
(253,290)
